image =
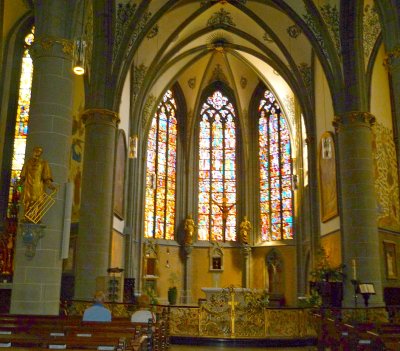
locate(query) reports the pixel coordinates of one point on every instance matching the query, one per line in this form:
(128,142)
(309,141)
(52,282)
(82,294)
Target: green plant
(172,295)
(324,271)
(313,300)
(152,294)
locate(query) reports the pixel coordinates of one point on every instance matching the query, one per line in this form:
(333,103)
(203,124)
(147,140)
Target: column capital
(100,116)
(359,118)
(52,46)
(391,58)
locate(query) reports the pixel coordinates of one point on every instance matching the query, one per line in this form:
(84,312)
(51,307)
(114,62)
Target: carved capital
(390,58)
(44,46)
(353,118)
(100,116)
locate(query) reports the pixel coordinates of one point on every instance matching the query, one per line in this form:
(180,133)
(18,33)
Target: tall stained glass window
(22,118)
(161,171)
(217,170)
(276,193)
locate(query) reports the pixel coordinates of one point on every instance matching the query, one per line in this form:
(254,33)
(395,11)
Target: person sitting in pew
(143,314)
(98,312)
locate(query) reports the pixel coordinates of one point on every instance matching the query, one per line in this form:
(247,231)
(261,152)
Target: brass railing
(218,321)
(220,318)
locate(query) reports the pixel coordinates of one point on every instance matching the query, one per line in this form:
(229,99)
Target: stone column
(360,240)
(96,213)
(37,280)
(246,252)
(187,249)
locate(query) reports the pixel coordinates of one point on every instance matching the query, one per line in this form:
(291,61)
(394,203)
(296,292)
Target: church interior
(198,147)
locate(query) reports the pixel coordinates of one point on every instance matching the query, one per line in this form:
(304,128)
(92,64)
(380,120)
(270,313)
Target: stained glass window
(161,171)
(217,170)
(276,193)
(22,118)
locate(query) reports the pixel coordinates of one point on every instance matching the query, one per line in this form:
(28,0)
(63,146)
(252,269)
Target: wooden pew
(141,336)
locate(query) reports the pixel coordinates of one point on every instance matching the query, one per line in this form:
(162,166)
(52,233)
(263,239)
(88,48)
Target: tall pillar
(360,240)
(187,251)
(37,279)
(246,253)
(96,213)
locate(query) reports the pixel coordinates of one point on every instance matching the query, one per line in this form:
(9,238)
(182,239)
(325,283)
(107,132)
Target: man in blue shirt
(98,312)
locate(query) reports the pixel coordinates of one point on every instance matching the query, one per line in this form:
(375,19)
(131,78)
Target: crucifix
(233,304)
(225,208)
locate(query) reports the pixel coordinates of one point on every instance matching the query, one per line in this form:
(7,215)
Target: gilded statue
(244,230)
(189,230)
(35,177)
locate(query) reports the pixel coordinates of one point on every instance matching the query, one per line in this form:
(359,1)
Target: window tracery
(161,171)
(217,169)
(276,190)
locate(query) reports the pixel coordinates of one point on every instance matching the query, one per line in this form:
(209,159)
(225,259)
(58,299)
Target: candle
(354,266)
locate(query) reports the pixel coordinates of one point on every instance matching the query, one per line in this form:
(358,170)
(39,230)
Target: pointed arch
(275,168)
(217,156)
(274,269)
(160,198)
(17,127)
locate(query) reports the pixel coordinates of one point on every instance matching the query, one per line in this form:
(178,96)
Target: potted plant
(172,290)
(327,280)
(172,295)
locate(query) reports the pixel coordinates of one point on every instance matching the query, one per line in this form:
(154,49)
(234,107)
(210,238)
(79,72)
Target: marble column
(37,279)
(96,213)
(360,240)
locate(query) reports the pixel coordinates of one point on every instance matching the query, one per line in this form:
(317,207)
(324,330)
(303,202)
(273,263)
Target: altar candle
(354,266)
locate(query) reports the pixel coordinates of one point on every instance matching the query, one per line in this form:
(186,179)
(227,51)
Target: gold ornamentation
(100,115)
(390,56)
(213,318)
(48,42)
(353,117)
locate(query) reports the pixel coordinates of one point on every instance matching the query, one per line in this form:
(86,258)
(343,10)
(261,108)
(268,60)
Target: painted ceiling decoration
(294,31)
(153,32)
(371,30)
(222,17)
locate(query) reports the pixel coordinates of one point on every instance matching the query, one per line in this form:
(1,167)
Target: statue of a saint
(35,177)
(244,230)
(189,230)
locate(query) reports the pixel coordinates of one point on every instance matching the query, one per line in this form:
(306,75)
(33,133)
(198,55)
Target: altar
(237,292)
(274,300)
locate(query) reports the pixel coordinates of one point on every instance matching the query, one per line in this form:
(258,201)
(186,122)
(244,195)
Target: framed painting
(119,175)
(389,250)
(327,177)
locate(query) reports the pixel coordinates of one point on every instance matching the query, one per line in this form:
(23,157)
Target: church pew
(53,326)
(68,324)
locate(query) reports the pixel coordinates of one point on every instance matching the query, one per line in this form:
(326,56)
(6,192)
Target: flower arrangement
(324,271)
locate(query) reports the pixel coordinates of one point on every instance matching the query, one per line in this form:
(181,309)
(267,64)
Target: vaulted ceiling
(240,42)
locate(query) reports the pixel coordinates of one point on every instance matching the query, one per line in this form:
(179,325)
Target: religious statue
(244,230)
(189,230)
(225,209)
(35,177)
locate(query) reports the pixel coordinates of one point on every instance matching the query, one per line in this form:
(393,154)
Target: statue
(225,209)
(189,230)
(35,177)
(244,230)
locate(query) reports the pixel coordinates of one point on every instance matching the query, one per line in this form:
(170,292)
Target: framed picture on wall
(119,180)
(327,177)
(389,249)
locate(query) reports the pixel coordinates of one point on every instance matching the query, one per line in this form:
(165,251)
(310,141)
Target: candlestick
(354,266)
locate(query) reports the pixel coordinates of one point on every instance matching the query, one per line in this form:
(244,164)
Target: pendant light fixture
(78,63)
